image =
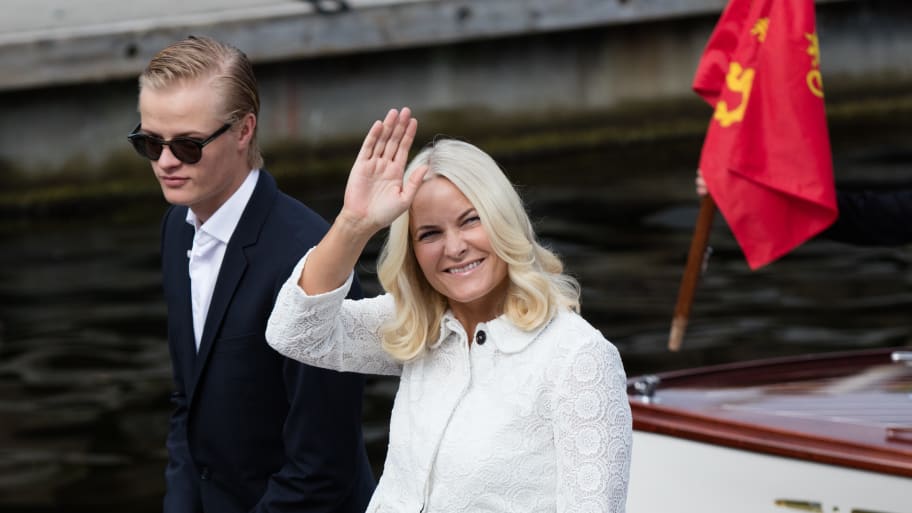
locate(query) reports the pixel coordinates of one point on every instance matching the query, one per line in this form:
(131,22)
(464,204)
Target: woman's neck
(485,309)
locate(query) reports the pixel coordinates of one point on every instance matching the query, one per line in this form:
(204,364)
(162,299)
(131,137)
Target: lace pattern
(330,331)
(527,422)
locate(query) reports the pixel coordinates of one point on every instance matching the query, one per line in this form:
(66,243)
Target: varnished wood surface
(848,409)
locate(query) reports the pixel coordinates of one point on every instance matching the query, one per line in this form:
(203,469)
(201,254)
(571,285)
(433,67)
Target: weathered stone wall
(327,77)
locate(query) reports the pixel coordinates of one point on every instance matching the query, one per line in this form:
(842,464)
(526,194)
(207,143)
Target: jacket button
(205,474)
(480,338)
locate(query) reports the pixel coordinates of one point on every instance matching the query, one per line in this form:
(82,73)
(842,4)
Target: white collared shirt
(210,240)
(533,421)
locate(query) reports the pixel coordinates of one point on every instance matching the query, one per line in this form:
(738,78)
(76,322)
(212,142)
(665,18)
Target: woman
(508,400)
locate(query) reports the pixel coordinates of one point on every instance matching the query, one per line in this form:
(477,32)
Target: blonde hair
(537,285)
(198,57)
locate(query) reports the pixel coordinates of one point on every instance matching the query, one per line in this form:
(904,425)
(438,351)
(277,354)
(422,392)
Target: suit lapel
(233,266)
(179,236)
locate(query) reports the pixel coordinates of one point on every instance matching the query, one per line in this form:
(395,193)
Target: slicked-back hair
(230,72)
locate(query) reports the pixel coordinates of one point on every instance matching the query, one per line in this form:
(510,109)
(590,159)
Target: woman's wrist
(354,227)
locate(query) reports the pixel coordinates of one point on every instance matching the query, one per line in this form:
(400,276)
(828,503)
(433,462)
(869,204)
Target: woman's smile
(465,268)
(453,249)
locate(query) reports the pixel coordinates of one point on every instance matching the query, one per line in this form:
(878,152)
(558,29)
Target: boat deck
(848,409)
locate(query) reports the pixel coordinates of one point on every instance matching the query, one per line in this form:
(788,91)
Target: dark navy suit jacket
(868,218)
(253,430)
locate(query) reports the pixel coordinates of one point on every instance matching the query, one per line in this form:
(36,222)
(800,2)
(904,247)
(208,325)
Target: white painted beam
(116,45)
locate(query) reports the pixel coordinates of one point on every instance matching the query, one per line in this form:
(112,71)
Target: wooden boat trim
(785,438)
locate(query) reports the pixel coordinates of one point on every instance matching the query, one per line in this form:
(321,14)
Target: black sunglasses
(186,149)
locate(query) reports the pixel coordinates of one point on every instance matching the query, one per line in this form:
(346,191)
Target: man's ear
(248,128)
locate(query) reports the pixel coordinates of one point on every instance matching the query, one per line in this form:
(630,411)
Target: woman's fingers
(367,147)
(400,125)
(412,184)
(388,127)
(408,137)
(387,143)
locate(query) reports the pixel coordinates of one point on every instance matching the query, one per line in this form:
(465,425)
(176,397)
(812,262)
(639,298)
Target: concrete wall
(515,72)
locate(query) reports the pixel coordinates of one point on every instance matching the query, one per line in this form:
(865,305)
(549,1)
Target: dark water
(84,372)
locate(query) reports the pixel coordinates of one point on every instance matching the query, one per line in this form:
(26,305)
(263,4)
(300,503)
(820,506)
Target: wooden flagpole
(692,272)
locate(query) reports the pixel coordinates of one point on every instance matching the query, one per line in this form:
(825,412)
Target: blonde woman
(508,400)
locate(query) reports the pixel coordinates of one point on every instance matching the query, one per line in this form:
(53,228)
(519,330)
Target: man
(866,218)
(872,218)
(252,430)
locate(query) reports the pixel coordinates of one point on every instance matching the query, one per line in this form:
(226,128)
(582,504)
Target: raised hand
(375,194)
(374,197)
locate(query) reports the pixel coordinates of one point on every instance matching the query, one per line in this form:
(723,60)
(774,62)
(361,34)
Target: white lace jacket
(524,422)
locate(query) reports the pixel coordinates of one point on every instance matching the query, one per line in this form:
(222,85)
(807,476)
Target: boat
(823,433)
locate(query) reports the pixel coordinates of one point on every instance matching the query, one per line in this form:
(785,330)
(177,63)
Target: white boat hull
(674,475)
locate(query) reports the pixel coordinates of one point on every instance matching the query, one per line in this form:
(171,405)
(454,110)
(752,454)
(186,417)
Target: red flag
(766,158)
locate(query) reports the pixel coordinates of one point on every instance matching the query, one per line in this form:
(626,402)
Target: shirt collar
(505,336)
(223,222)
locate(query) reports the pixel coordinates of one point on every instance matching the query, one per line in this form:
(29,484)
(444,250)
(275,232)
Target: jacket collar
(225,219)
(505,335)
(234,264)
